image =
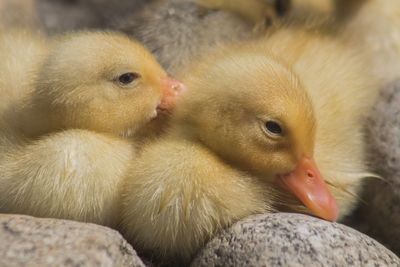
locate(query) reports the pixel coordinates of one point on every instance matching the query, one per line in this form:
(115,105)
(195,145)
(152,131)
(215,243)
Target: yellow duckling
(66,104)
(282,112)
(98,81)
(352,18)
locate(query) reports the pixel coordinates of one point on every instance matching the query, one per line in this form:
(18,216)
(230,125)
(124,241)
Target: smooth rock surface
(285,239)
(29,241)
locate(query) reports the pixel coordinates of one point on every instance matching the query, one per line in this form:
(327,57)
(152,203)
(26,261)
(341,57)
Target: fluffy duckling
(98,81)
(352,18)
(272,125)
(379,36)
(67,104)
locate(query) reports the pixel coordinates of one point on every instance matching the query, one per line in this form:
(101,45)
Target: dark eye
(273,127)
(127,78)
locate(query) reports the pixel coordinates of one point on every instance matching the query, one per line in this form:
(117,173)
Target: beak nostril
(310,174)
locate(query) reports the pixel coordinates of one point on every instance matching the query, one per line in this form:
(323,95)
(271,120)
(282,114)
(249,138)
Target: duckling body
(70,103)
(73,174)
(254,117)
(184,196)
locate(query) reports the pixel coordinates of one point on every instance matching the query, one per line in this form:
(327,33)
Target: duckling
(352,21)
(270,125)
(68,105)
(379,36)
(97,81)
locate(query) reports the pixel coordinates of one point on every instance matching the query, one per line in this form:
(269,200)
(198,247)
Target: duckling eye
(273,127)
(128,77)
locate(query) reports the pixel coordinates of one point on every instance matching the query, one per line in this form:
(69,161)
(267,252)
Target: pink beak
(171,90)
(307,184)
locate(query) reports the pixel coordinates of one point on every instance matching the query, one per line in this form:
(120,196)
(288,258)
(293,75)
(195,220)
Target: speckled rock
(29,241)
(176,31)
(382,210)
(293,240)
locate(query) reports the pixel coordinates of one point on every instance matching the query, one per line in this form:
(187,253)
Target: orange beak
(307,184)
(171,89)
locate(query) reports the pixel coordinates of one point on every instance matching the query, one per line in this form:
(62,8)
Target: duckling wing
(74,174)
(178,194)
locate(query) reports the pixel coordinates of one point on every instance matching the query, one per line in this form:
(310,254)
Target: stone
(285,239)
(177,31)
(381,210)
(29,241)
(57,16)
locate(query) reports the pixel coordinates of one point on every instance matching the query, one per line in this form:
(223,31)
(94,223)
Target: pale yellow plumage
(63,117)
(371,25)
(218,164)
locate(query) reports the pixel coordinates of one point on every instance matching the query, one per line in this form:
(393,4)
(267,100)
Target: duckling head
(253,111)
(103,82)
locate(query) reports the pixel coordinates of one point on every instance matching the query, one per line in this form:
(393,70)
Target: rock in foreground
(293,240)
(29,241)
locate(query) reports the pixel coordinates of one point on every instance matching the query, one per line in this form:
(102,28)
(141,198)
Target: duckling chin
(288,110)
(69,103)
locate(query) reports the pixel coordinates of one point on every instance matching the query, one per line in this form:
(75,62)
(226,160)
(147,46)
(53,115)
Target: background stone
(29,241)
(379,215)
(57,16)
(285,239)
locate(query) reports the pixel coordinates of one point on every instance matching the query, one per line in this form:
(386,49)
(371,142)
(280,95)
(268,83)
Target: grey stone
(29,241)
(381,212)
(176,31)
(285,239)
